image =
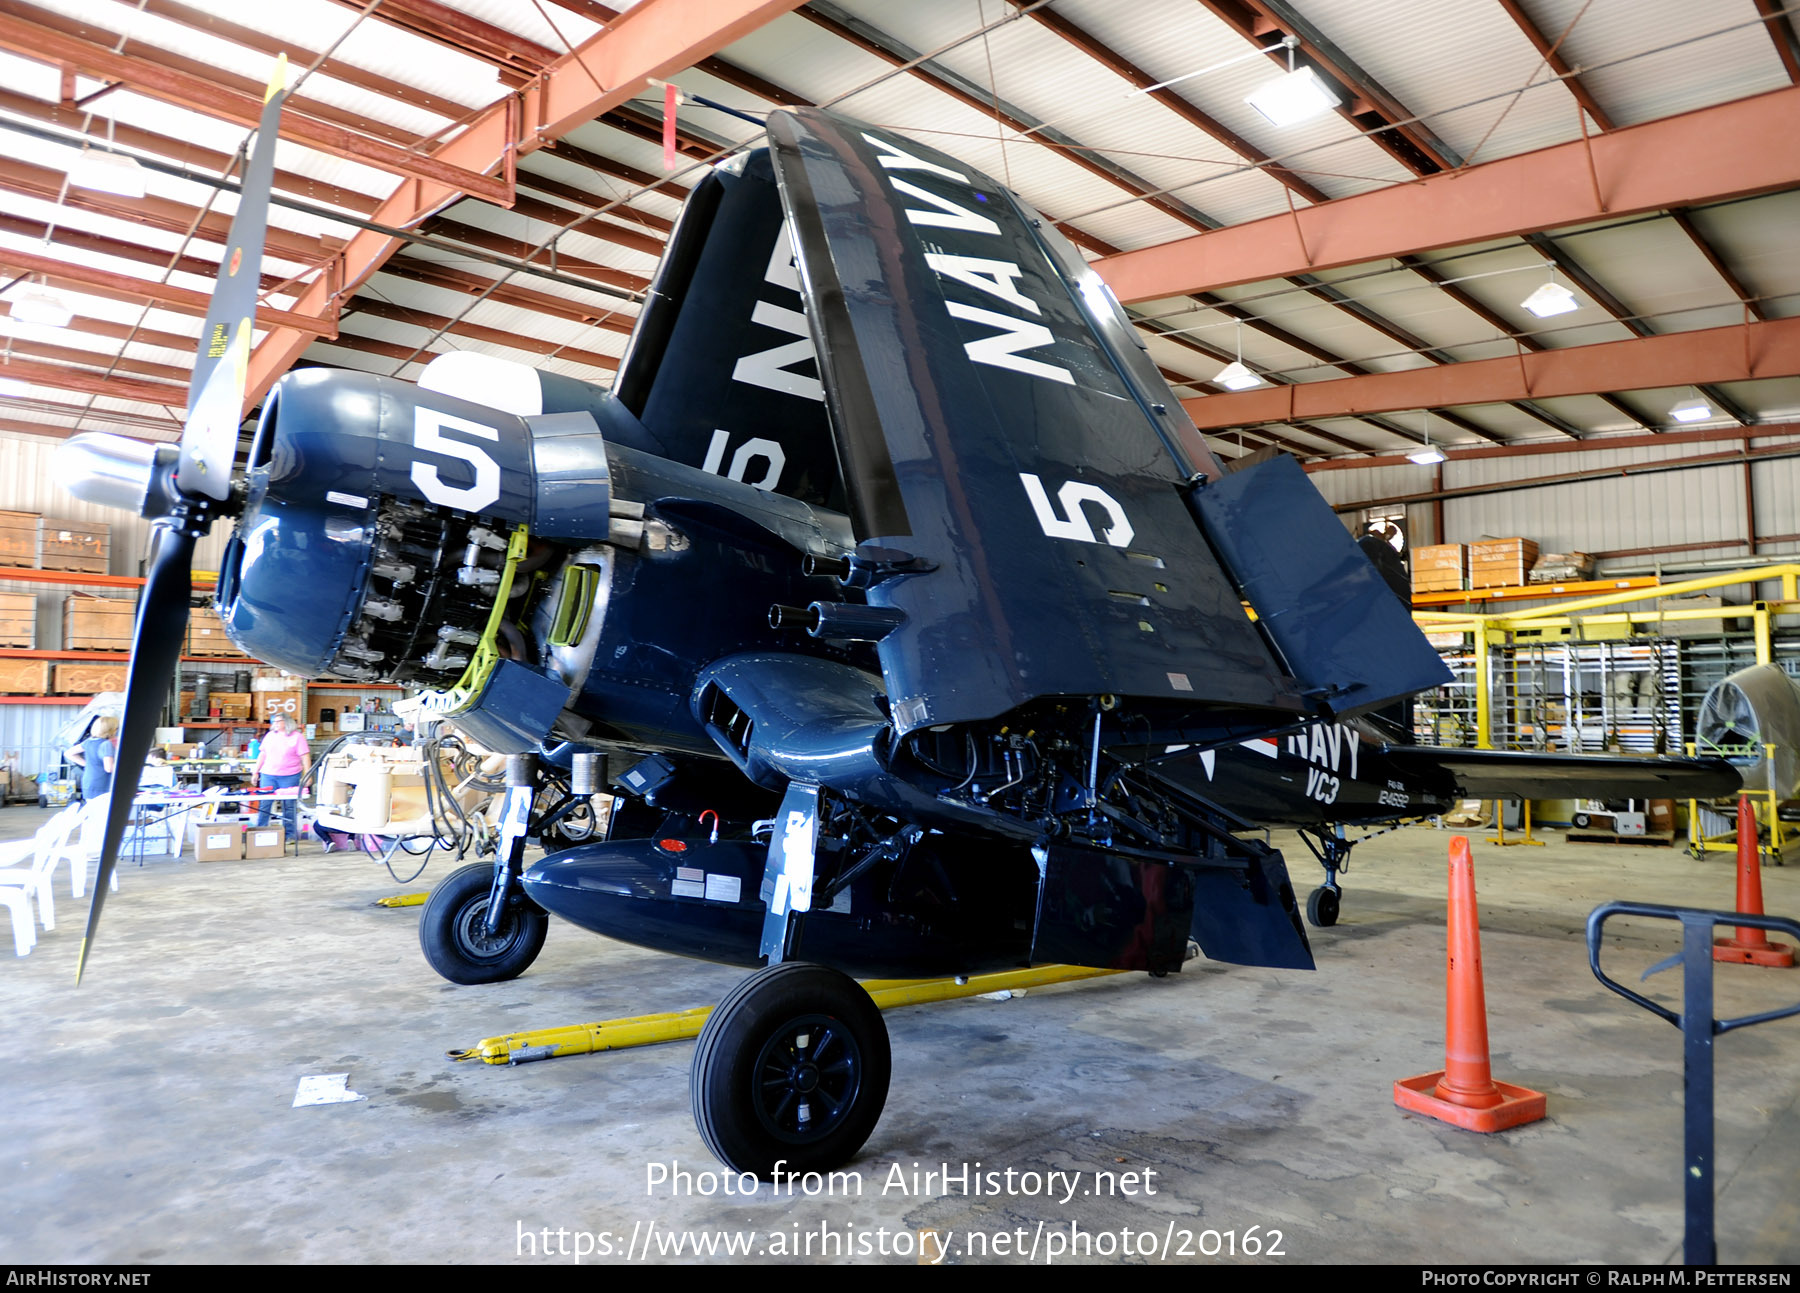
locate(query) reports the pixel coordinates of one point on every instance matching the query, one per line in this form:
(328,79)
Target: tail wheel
(1322,907)
(791,1071)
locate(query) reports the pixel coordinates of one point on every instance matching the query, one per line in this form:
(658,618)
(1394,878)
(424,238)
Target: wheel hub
(810,1071)
(472,931)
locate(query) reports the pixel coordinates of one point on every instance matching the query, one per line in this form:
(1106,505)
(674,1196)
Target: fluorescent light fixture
(1293,97)
(108,172)
(1691,411)
(1236,377)
(1426,455)
(1551,298)
(41,307)
(12,386)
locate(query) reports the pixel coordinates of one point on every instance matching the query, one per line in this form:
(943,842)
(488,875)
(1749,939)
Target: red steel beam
(179,150)
(24,31)
(1743,352)
(1729,150)
(1532,449)
(437,274)
(120,331)
(464,328)
(17,346)
(87,382)
(48,184)
(124,287)
(656,38)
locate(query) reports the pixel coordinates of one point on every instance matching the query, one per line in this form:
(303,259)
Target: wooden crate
(291,702)
(74,545)
(18,538)
(1437,568)
(1501,563)
(18,620)
(24,677)
(221,704)
(81,679)
(98,623)
(206,635)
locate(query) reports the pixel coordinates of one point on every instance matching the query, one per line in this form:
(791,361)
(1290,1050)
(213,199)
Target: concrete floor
(150,1114)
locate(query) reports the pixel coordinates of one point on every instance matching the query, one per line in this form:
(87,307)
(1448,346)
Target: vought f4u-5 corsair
(884,577)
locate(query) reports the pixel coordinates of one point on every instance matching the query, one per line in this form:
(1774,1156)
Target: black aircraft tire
(453,936)
(791,1071)
(1322,907)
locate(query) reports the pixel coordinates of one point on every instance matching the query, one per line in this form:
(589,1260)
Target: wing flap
(1324,604)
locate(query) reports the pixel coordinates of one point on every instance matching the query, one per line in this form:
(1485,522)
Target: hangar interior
(1514,282)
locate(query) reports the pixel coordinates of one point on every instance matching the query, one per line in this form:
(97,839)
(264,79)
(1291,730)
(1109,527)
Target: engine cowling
(377,520)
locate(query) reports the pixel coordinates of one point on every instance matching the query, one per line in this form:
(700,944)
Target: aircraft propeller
(181,489)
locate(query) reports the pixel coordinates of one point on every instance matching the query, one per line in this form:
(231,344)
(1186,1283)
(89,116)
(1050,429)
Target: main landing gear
(479,926)
(1333,852)
(791,1071)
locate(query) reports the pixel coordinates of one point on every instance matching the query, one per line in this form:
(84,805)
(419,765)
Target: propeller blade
(216,391)
(155,649)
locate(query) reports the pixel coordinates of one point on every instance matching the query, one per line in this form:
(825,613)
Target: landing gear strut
(1333,852)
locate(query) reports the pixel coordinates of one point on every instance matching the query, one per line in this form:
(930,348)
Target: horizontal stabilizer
(1519,774)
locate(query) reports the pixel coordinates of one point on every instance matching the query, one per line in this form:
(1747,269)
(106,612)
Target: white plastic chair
(18,905)
(90,820)
(32,862)
(25,869)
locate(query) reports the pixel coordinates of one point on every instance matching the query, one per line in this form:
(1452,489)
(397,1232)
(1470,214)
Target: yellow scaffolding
(1490,629)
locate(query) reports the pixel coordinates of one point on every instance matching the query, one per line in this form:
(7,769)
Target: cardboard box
(98,623)
(1628,823)
(264,842)
(18,538)
(74,545)
(218,841)
(18,619)
(24,677)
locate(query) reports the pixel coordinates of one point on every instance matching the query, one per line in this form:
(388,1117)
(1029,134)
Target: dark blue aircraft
(884,578)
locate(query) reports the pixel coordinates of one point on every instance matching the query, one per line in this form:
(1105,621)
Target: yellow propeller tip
(277,78)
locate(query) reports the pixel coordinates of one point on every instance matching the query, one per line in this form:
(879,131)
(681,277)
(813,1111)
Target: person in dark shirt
(95,757)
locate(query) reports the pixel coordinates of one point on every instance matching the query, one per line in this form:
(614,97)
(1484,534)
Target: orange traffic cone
(1464,1092)
(1751,946)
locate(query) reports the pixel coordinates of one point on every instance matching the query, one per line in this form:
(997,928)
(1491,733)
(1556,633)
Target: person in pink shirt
(282,761)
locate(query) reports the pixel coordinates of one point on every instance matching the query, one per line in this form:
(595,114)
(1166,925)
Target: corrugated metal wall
(28,484)
(1699,506)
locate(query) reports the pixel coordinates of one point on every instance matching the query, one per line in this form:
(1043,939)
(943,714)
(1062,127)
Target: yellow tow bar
(401,900)
(674,1026)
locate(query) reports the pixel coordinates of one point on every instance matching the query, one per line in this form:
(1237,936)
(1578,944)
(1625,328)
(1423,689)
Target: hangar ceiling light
(108,172)
(1551,299)
(1292,98)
